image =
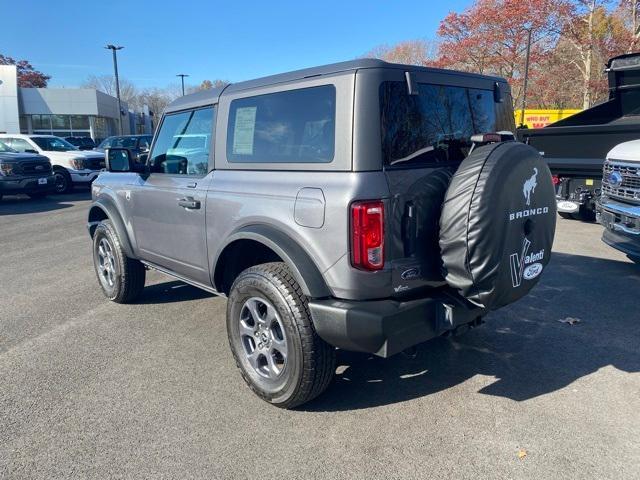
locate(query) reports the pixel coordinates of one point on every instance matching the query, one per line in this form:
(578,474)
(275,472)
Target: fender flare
(111,211)
(297,259)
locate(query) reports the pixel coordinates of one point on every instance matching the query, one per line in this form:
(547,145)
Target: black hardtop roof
(207,97)
(628,61)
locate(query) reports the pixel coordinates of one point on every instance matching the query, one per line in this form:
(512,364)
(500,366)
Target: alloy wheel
(61,182)
(106,263)
(263,339)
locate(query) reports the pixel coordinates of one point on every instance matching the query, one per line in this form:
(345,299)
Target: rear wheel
(121,278)
(272,338)
(63,181)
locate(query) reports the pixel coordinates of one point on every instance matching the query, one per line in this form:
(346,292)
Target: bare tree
(410,52)
(107,84)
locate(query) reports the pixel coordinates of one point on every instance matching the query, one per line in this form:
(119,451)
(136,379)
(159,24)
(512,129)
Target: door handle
(189,203)
(192,185)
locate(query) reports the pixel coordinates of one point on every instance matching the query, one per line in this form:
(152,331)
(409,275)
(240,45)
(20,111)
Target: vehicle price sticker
(244,131)
(42,181)
(589,181)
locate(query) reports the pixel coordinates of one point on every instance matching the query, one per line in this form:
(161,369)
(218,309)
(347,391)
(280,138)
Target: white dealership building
(65,112)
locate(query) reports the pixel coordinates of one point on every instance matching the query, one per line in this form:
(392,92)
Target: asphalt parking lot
(91,389)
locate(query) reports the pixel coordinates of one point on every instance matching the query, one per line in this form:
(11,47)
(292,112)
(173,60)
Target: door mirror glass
(118,160)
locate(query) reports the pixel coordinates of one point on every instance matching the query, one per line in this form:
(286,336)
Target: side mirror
(118,160)
(143,157)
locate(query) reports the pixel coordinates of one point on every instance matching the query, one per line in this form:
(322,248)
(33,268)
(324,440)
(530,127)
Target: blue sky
(230,40)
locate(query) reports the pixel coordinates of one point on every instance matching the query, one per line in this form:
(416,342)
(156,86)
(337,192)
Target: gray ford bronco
(364,205)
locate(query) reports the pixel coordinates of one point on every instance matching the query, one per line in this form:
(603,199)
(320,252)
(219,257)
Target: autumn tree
(490,37)
(28,77)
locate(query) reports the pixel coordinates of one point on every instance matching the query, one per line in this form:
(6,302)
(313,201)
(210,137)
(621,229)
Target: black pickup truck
(575,148)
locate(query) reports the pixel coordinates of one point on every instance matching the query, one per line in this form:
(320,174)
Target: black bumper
(624,243)
(621,226)
(15,186)
(386,327)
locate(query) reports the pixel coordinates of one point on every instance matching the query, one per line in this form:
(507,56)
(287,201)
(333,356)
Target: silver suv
(363,205)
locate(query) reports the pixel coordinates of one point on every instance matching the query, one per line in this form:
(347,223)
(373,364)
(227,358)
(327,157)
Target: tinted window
(296,126)
(144,143)
(182,145)
(124,142)
(53,144)
(435,125)
(106,143)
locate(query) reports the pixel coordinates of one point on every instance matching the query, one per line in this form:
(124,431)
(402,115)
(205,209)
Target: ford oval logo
(532,271)
(410,273)
(615,179)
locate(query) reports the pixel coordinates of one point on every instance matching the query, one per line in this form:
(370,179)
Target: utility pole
(182,75)
(114,48)
(526,77)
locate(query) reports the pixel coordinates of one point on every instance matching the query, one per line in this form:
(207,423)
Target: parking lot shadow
(530,347)
(22,204)
(170,292)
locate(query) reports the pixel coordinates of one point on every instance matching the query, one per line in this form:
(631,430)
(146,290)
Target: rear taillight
(555,179)
(367,235)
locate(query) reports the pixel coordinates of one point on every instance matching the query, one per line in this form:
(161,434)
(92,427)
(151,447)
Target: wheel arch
(285,249)
(104,210)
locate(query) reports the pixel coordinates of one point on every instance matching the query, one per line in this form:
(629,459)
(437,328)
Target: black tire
(126,280)
(497,224)
(310,362)
(63,181)
(37,195)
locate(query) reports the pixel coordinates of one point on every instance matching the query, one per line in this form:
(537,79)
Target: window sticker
(244,130)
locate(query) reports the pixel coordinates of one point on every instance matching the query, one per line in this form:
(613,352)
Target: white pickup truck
(619,205)
(71,166)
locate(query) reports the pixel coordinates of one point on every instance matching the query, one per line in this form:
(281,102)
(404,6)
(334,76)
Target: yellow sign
(534,118)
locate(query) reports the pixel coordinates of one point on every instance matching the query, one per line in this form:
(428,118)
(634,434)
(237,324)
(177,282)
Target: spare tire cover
(497,224)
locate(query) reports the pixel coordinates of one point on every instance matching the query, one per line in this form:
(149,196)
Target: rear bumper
(621,226)
(14,186)
(386,327)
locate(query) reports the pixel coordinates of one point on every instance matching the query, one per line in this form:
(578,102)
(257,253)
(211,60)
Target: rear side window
(183,142)
(296,126)
(434,126)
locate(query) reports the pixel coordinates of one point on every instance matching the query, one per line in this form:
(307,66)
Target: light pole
(182,75)
(113,48)
(526,77)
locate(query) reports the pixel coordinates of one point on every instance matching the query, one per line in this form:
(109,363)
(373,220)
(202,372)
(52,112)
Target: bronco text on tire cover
(497,224)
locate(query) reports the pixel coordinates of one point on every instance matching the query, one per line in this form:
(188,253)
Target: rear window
(434,126)
(296,126)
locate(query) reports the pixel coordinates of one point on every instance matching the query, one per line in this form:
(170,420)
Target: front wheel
(121,278)
(272,338)
(63,181)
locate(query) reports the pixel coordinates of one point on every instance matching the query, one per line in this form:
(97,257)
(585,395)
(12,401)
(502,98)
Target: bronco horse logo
(529,186)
